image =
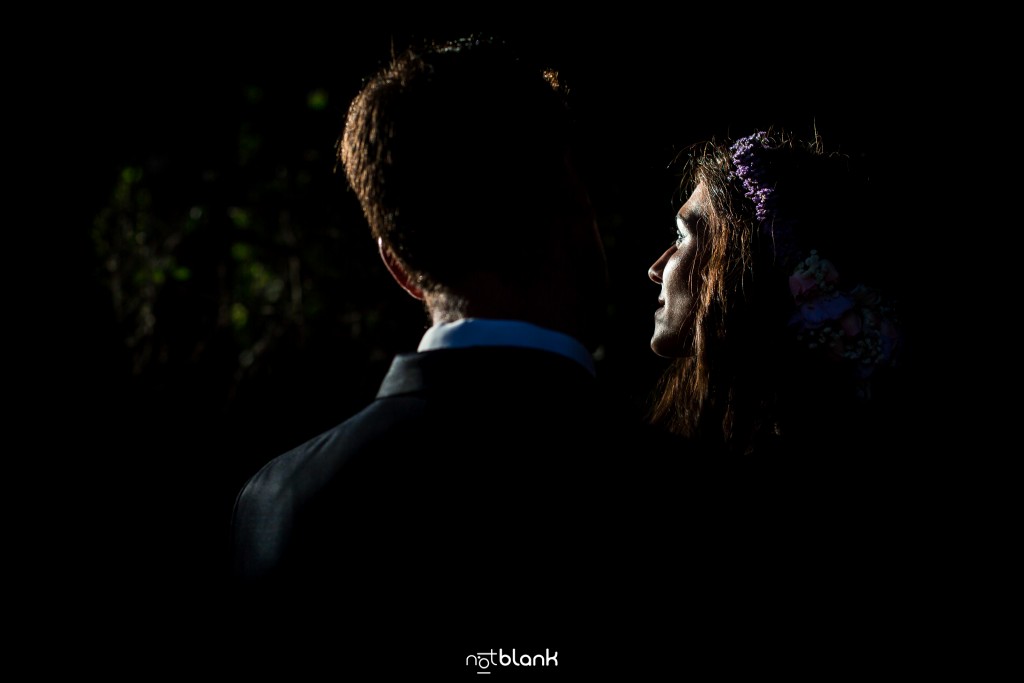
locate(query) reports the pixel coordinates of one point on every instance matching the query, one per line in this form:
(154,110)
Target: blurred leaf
(240,217)
(260,276)
(131,175)
(239,315)
(317,99)
(241,252)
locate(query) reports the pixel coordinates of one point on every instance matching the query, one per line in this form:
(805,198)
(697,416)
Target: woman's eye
(682,234)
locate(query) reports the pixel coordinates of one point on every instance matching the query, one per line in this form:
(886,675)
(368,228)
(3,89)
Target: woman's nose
(655,271)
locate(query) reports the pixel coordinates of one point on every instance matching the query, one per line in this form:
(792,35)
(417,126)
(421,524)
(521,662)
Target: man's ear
(398,271)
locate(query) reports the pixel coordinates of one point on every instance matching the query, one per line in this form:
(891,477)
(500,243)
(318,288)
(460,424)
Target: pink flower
(851,323)
(802,283)
(810,277)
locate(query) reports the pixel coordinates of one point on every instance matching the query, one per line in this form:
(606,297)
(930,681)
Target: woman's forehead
(693,207)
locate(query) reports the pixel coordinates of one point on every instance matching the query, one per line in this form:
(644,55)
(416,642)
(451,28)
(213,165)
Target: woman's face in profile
(674,271)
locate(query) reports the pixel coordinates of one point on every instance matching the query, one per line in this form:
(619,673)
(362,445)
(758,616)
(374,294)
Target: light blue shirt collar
(485,332)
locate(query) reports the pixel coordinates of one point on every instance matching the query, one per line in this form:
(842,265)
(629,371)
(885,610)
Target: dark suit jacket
(489,497)
(494,498)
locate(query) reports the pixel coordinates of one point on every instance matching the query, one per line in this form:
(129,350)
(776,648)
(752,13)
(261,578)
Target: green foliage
(136,248)
(233,258)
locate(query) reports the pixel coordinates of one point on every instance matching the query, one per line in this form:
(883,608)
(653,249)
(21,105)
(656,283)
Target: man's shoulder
(322,455)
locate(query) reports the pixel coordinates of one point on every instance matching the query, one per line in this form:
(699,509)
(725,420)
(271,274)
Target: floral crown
(849,324)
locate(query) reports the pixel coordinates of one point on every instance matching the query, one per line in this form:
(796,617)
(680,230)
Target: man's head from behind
(460,154)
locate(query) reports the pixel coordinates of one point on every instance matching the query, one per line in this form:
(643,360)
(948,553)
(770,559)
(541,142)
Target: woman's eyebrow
(688,218)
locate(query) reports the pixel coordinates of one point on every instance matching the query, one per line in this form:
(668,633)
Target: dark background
(225,302)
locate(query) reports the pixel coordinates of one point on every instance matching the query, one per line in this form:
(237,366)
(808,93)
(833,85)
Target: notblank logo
(486,661)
